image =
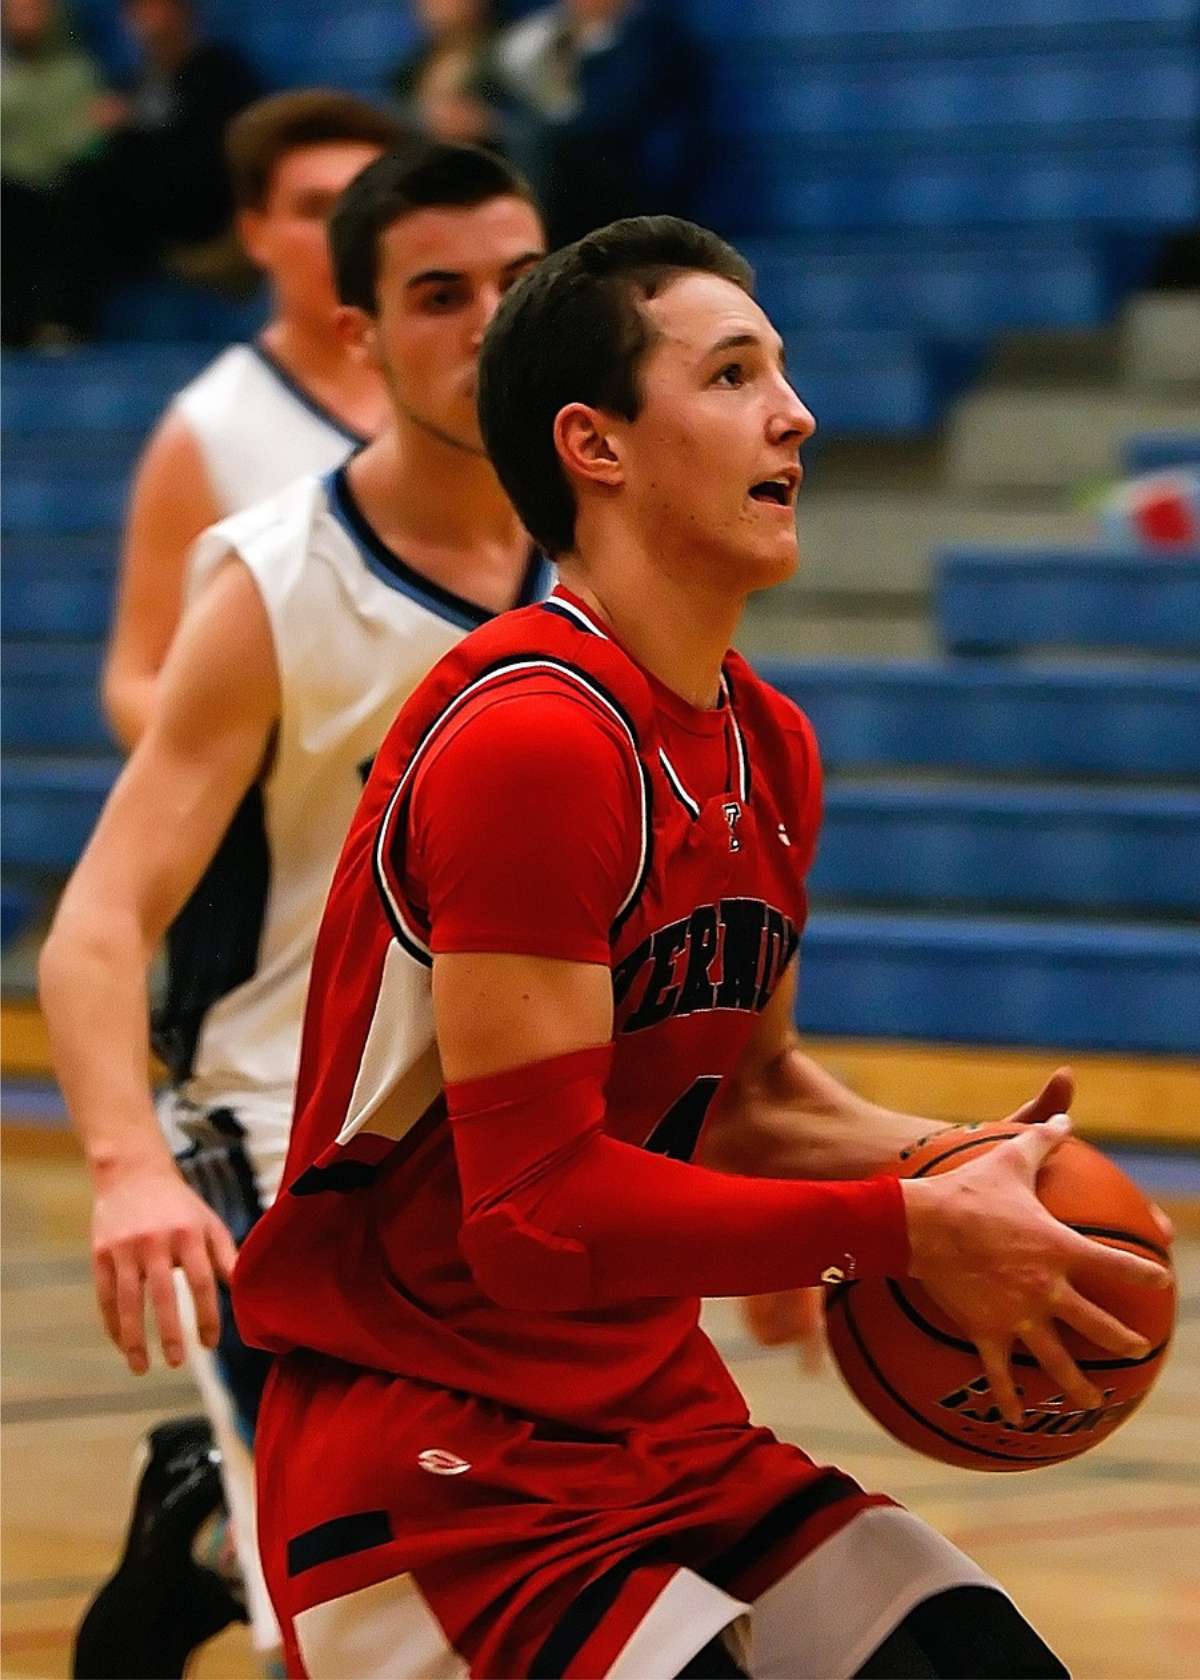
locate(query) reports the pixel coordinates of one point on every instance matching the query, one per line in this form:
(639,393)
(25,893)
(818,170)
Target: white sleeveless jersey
(255,427)
(355,630)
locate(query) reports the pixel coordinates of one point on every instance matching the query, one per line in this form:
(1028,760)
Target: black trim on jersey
(675,783)
(572,617)
(339,1177)
(518,662)
(467,615)
(829,1488)
(340,1537)
(314,405)
(748,778)
(213,943)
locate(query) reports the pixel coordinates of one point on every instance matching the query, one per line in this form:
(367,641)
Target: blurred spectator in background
(608,93)
(448,87)
(51,112)
(157,180)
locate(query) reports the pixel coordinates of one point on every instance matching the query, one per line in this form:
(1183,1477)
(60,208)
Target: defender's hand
(145,1222)
(790,1315)
(1000,1265)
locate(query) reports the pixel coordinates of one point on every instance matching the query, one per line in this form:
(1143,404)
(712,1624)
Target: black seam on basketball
(952,1440)
(1124,1236)
(961,1345)
(961,1149)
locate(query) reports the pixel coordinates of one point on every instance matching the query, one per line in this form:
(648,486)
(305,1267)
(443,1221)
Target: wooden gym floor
(1102,1555)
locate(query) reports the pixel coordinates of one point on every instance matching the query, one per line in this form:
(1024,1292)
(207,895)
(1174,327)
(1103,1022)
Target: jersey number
(678,1132)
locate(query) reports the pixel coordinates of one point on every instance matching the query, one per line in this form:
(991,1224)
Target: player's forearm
(793,1119)
(92,985)
(558,1216)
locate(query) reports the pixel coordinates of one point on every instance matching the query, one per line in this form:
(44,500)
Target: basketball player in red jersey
(548,1028)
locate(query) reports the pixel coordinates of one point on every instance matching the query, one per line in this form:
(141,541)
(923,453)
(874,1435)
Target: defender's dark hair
(266,131)
(573,330)
(420,175)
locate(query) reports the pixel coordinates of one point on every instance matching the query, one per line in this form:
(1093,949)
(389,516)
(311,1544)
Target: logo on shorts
(438,1462)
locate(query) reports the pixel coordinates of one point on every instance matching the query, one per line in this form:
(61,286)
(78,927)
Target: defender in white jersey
(314,615)
(260,414)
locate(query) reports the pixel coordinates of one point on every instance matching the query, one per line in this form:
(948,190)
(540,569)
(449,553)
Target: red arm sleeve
(557,1216)
(525,825)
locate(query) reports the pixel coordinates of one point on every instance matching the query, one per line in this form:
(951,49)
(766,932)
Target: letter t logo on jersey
(733,816)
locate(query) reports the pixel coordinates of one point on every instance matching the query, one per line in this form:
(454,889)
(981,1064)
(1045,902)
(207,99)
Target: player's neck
(678,633)
(418,492)
(317,362)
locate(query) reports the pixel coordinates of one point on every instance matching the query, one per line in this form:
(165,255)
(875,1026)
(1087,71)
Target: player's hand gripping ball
(913,1370)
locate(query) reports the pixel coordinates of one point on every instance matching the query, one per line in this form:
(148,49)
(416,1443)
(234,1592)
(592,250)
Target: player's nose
(791,420)
(486,304)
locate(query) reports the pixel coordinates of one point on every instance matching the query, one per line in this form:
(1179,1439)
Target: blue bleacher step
(57,603)
(51,700)
(51,502)
(1001,598)
(1156,451)
(123,387)
(49,809)
(987,715)
(1118,849)
(35,554)
(1112,986)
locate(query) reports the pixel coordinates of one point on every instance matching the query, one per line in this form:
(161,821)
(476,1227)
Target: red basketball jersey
(358,1258)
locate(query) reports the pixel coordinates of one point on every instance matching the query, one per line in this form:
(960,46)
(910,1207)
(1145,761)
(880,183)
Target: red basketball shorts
(414,1533)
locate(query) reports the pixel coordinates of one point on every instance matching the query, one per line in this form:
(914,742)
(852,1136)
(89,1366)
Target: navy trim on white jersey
(391,891)
(305,398)
(390,569)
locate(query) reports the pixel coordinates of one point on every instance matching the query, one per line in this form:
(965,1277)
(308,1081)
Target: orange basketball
(913,1370)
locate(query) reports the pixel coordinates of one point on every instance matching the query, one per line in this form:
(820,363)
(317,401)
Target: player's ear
(251,228)
(586,444)
(359,334)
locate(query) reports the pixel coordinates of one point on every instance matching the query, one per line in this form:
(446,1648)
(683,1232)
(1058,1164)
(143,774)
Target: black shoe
(160,1604)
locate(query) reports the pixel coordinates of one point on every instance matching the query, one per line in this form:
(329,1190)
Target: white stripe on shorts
(826,1616)
(377,1633)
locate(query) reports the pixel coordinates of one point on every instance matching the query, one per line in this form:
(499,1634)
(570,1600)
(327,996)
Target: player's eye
(442,299)
(732,375)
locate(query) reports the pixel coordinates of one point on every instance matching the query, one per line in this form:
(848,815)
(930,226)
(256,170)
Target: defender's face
(442,273)
(288,238)
(712,462)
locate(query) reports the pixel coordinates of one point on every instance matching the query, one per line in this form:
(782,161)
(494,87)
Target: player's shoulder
(554,639)
(274,537)
(218,383)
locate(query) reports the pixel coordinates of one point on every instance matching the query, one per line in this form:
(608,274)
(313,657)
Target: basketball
(907,1363)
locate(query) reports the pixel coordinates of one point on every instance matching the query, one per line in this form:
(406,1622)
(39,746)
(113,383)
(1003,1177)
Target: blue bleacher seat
(1152,451)
(81,453)
(931,20)
(50,808)
(50,699)
(1107,987)
(987,716)
(57,603)
(47,504)
(1120,850)
(35,553)
(18,904)
(119,387)
(987,599)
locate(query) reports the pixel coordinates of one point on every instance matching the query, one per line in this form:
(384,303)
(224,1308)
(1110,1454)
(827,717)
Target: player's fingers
(1046,1347)
(193,1256)
(1162,1219)
(160,1286)
(1034,1144)
(1120,1265)
(131,1311)
(105,1278)
(1100,1327)
(995,1357)
(221,1247)
(1055,1097)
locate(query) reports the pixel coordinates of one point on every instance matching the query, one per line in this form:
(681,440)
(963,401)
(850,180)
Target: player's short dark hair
(263,133)
(573,330)
(417,175)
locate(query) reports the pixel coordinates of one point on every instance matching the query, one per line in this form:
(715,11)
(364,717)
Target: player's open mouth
(779,491)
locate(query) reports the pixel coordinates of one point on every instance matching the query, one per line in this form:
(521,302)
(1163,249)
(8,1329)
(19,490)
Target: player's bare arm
(159,829)
(171,502)
(785,1116)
